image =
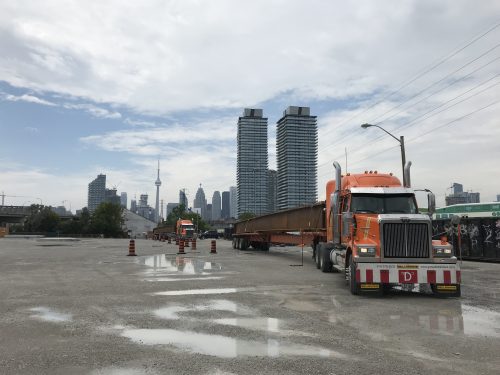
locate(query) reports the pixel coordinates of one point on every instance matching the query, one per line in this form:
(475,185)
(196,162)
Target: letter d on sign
(408,276)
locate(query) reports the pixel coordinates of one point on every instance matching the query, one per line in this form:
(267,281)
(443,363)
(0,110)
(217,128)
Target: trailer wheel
(352,277)
(316,256)
(243,244)
(234,243)
(325,263)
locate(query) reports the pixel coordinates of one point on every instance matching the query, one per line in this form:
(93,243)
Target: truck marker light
(369,286)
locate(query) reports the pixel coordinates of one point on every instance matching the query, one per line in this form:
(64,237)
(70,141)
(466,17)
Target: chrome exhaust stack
(335,200)
(406,174)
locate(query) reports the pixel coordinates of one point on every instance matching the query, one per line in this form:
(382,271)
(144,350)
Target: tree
(107,219)
(246,216)
(41,219)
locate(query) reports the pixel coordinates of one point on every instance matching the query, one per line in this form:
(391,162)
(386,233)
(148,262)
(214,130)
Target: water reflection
(463,319)
(48,315)
(223,346)
(171,312)
(201,291)
(179,265)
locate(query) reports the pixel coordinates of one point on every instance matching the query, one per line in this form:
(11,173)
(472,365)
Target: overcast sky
(89,87)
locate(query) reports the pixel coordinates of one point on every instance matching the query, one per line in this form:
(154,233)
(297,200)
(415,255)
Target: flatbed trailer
(297,226)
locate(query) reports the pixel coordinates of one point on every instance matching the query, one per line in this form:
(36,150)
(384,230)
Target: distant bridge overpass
(17,214)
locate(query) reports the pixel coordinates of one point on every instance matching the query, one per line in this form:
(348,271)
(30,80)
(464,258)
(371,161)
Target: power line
(357,131)
(430,131)
(420,74)
(444,109)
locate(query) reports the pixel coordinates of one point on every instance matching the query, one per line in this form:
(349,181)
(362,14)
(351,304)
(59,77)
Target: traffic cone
(193,244)
(181,247)
(213,249)
(131,249)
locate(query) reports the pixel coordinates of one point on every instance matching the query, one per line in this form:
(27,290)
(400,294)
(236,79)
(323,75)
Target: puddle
(480,322)
(464,320)
(157,279)
(201,291)
(181,265)
(223,346)
(171,312)
(263,324)
(48,315)
(121,371)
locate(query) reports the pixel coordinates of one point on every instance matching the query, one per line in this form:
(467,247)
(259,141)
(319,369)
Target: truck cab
(376,235)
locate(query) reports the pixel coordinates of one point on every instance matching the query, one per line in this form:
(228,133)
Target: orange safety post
(193,244)
(181,247)
(131,249)
(213,249)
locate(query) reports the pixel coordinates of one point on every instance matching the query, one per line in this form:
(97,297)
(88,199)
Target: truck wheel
(234,243)
(353,285)
(325,263)
(243,244)
(316,256)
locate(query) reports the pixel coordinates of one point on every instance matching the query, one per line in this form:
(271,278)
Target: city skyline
(72,107)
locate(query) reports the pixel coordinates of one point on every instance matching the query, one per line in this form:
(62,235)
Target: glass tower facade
(297,158)
(252,162)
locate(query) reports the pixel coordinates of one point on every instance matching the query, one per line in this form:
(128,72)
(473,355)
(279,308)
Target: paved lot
(86,308)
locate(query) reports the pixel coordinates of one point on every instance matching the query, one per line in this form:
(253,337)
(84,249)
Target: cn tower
(157,205)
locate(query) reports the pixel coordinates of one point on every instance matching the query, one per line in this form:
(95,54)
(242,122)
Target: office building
(272,190)
(112,197)
(133,205)
(233,202)
(460,196)
(123,200)
(297,158)
(252,162)
(201,203)
(183,198)
(96,192)
(170,207)
(225,206)
(216,206)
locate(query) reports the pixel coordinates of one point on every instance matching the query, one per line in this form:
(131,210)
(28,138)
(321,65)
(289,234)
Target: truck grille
(406,240)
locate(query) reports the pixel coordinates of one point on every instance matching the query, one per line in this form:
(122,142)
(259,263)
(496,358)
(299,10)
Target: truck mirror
(431,203)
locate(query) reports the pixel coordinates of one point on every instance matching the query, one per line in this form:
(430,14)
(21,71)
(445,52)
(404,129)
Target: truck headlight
(442,251)
(367,251)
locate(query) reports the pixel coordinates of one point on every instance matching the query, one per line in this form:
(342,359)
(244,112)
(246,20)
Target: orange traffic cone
(213,249)
(131,249)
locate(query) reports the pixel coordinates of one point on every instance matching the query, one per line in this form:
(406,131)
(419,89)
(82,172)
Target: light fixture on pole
(401,141)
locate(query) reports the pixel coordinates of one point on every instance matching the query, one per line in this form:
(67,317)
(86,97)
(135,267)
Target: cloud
(94,110)
(223,54)
(27,98)
(31,130)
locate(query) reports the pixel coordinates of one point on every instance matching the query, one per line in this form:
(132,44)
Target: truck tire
(316,256)
(243,244)
(234,243)
(353,285)
(325,263)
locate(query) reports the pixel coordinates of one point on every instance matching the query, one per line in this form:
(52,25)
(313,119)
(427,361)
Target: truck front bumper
(406,273)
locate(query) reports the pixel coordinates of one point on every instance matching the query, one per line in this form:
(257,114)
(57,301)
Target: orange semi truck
(184,229)
(369,229)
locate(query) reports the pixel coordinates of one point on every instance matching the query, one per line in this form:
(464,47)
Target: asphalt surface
(87,308)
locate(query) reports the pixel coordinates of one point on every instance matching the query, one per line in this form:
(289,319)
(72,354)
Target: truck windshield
(383,204)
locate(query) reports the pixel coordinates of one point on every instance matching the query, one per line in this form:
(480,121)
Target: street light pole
(401,141)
